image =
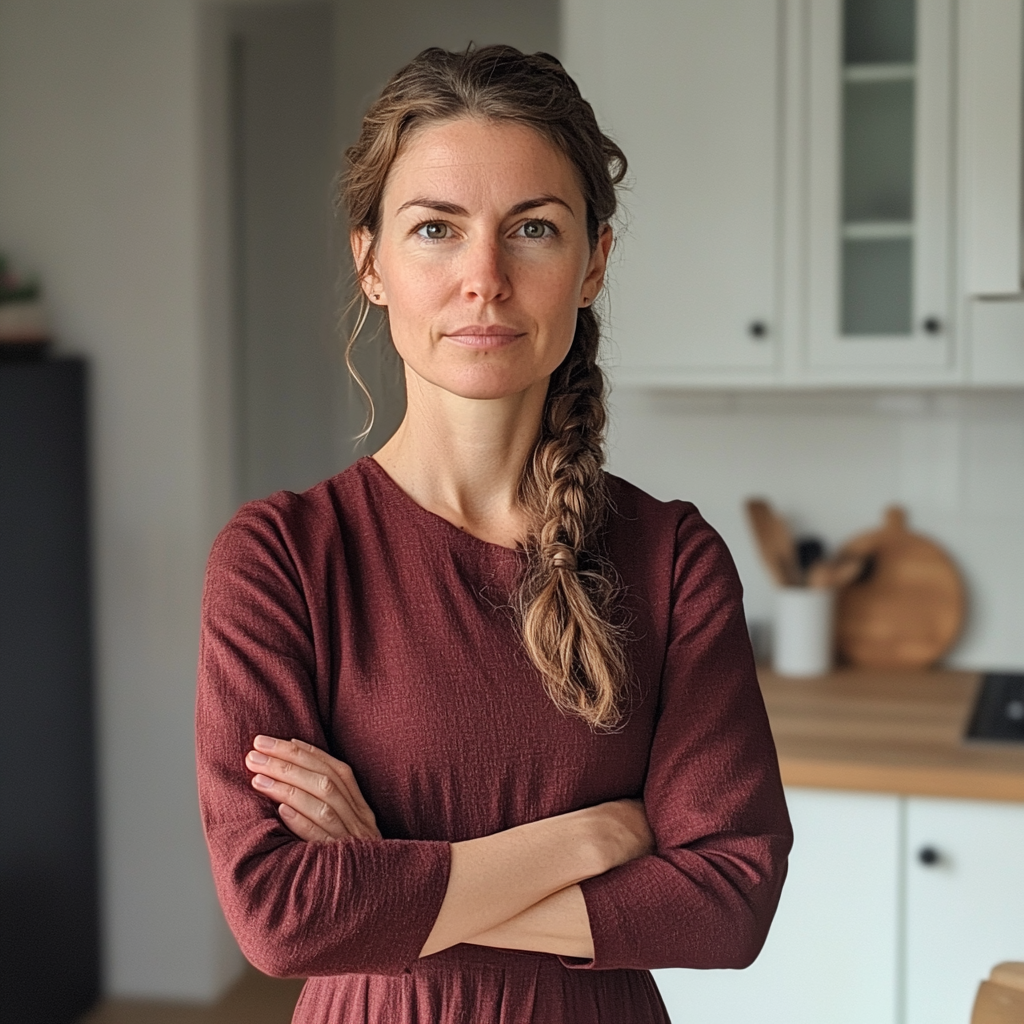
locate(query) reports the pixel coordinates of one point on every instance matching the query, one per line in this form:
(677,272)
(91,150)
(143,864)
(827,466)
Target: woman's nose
(485,274)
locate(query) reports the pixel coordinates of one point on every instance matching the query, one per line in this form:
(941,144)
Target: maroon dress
(353,618)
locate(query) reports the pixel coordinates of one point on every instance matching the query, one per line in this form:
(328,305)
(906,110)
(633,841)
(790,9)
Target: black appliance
(999,710)
(49,945)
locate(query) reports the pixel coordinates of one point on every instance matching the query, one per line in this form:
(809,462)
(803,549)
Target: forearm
(496,878)
(558,924)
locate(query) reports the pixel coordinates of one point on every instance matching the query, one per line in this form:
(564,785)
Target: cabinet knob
(928,856)
(758,329)
(932,325)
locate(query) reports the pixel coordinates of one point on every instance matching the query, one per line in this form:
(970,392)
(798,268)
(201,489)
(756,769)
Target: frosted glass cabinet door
(691,91)
(880,190)
(831,956)
(965,902)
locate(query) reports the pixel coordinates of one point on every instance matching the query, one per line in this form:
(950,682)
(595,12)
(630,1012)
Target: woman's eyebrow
(443,206)
(435,204)
(532,204)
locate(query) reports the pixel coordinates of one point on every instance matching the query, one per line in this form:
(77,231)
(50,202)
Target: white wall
(101,192)
(832,462)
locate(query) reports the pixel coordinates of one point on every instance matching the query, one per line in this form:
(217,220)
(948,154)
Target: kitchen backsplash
(831,462)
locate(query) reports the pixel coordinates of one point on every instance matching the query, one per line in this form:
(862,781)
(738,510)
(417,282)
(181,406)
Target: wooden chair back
(1000,1000)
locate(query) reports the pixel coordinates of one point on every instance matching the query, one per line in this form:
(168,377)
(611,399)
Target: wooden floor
(256,999)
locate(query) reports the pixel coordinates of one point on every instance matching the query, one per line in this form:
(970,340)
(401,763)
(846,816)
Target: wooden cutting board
(908,609)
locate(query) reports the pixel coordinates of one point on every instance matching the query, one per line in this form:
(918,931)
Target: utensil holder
(803,639)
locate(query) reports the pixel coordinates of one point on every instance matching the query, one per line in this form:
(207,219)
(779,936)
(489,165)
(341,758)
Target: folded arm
(515,889)
(706,896)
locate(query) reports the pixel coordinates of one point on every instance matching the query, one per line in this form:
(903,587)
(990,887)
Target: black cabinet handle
(928,856)
(932,325)
(758,329)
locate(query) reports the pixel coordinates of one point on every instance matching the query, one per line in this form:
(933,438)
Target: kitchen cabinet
(995,328)
(894,910)
(832,952)
(990,70)
(963,863)
(823,192)
(990,169)
(691,90)
(880,218)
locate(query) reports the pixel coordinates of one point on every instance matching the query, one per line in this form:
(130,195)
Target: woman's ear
(594,281)
(362,244)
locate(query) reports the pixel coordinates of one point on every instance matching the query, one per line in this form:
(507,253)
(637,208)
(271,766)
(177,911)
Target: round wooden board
(909,609)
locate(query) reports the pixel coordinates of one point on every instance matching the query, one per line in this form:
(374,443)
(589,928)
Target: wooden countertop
(888,732)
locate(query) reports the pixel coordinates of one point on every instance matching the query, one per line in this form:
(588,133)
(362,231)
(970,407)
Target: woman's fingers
(318,762)
(301,826)
(332,819)
(342,772)
(317,797)
(313,786)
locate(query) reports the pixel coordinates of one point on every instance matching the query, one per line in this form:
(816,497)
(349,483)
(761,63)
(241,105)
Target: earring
(376,295)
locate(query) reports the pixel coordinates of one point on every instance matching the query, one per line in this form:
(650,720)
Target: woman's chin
(486,386)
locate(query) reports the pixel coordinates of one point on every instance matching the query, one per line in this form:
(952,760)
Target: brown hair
(567,595)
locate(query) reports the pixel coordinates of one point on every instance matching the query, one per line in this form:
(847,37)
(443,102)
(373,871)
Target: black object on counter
(49,935)
(999,710)
(808,551)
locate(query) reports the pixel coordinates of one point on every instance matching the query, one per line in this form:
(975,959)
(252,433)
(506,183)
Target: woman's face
(482,258)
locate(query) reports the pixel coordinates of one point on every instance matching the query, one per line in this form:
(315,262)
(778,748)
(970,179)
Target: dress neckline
(376,470)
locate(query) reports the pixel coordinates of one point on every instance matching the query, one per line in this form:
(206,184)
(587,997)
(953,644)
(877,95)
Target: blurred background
(815,296)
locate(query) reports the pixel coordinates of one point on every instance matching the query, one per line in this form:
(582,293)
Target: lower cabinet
(831,955)
(964,864)
(894,909)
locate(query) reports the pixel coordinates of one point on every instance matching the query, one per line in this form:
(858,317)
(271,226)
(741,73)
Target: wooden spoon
(775,543)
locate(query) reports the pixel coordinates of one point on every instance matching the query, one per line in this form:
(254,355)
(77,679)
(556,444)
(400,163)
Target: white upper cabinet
(991,125)
(824,192)
(691,90)
(990,146)
(880,160)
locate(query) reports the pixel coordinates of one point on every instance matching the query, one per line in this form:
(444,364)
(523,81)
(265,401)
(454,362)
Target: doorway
(290,390)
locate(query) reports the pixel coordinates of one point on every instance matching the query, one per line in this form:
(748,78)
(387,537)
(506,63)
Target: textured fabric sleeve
(713,794)
(296,908)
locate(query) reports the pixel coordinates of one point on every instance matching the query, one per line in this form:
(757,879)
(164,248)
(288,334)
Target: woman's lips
(484,336)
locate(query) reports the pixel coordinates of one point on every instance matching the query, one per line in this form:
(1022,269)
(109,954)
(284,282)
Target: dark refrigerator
(49,945)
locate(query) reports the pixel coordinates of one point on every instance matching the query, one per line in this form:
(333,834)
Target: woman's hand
(318,798)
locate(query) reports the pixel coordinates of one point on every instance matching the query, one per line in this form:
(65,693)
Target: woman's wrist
(496,877)
(619,833)
(558,924)
(590,837)
(596,839)
(577,841)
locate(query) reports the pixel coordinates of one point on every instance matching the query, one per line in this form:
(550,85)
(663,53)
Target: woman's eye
(536,229)
(433,230)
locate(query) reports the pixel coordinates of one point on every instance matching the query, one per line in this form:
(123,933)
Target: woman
(479,733)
